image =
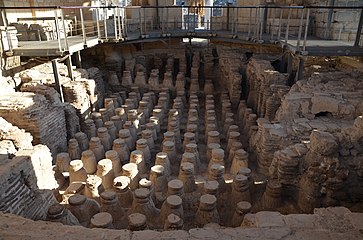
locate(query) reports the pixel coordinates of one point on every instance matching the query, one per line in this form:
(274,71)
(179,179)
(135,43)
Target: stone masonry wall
(25,183)
(35,114)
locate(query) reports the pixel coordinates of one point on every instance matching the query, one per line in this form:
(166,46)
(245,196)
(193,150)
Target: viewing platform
(68,30)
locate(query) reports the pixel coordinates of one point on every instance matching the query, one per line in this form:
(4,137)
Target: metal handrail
(254,24)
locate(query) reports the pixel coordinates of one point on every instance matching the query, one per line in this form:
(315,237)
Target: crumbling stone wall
(230,66)
(26,182)
(266,87)
(329,93)
(33,112)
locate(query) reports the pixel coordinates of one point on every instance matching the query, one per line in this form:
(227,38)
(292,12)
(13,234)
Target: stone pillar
(83,209)
(120,146)
(106,173)
(73,149)
(207,211)
(82,140)
(124,194)
(76,172)
(111,205)
(143,204)
(89,161)
(102,220)
(130,170)
(93,187)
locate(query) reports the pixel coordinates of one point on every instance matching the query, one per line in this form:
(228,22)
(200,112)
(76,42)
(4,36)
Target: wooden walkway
(52,48)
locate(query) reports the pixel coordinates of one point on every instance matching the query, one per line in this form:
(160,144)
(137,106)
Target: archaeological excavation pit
(209,137)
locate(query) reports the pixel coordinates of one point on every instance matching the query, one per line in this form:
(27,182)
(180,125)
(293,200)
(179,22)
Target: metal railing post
(280,24)
(249,23)
(144,20)
(115,23)
(97,22)
(58,30)
(58,85)
(195,11)
(329,20)
(119,23)
(300,27)
(3,16)
(288,26)
(188,20)
(124,22)
(232,21)
(265,17)
(211,17)
(359,30)
(273,12)
(167,19)
(140,22)
(236,30)
(261,24)
(105,22)
(83,27)
(306,28)
(64,31)
(255,31)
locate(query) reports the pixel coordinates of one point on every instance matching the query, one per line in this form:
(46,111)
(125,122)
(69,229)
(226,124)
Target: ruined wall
(312,144)
(83,94)
(230,67)
(266,86)
(26,181)
(33,112)
(330,223)
(334,93)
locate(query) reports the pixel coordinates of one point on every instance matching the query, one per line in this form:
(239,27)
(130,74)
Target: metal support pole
(288,26)
(105,22)
(195,14)
(280,25)
(232,21)
(211,17)
(265,15)
(69,67)
(237,23)
(273,12)
(58,30)
(289,64)
(144,20)
(167,19)
(359,30)
(98,23)
(261,26)
(78,59)
(306,29)
(64,31)
(140,21)
(255,33)
(188,20)
(300,28)
(4,19)
(227,16)
(300,69)
(249,23)
(115,23)
(157,15)
(119,23)
(327,34)
(83,27)
(162,20)
(58,85)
